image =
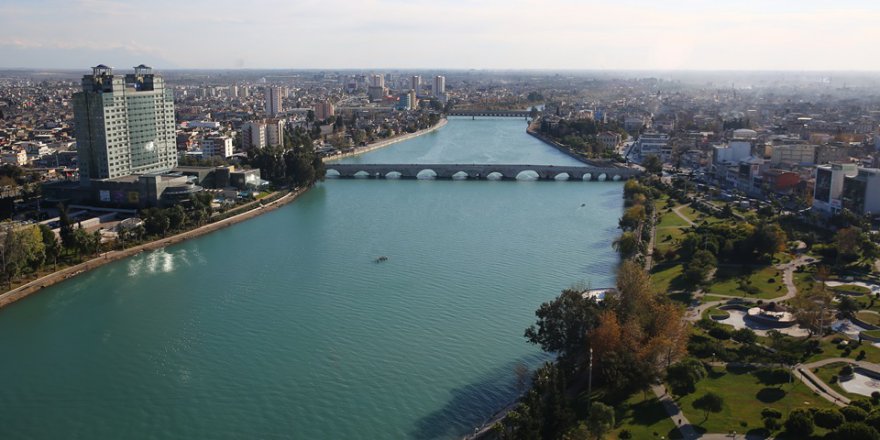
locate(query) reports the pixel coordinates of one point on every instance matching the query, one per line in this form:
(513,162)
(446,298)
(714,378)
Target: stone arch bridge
(478,172)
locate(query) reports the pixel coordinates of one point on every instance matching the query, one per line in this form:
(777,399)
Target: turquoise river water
(284,326)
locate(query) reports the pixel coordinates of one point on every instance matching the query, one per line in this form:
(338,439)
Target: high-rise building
(416,83)
(273,100)
(324,110)
(439,86)
(124,124)
(217,145)
(253,135)
(377,80)
(275,132)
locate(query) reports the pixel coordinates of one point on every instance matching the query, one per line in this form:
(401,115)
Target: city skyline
(563,35)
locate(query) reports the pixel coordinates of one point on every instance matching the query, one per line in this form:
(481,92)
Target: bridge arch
(616,177)
(602,177)
(361,175)
(332,174)
(494,175)
(587,177)
(528,175)
(393,175)
(461,175)
(426,174)
(562,177)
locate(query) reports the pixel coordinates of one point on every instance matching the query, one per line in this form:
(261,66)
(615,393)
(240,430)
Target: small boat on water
(381,259)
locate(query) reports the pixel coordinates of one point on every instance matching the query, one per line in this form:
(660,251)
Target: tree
(683,376)
(810,308)
(66,227)
(701,265)
(51,245)
(626,245)
(847,241)
(709,402)
(177,218)
(828,418)
(744,336)
(856,431)
(847,306)
(600,420)
(653,164)
(800,423)
(634,294)
(853,413)
(633,217)
(563,324)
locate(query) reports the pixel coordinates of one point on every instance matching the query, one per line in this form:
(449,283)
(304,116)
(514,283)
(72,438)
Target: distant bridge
(497,113)
(478,172)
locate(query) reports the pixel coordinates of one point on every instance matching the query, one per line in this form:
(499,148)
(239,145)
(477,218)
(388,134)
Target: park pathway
(677,211)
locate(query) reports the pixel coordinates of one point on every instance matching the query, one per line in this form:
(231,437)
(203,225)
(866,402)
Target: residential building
(416,83)
(324,110)
(275,132)
(253,135)
(793,154)
(439,88)
(124,124)
(377,81)
(781,181)
(376,92)
(273,100)
(217,145)
(16,156)
(828,188)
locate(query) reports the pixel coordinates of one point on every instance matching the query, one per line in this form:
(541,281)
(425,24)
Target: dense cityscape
(656,224)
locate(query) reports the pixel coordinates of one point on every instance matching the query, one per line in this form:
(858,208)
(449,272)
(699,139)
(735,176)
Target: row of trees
(580,134)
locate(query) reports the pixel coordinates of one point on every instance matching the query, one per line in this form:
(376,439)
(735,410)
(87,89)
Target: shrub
(853,413)
(864,404)
(624,435)
(828,418)
(800,423)
(771,424)
(771,413)
(720,332)
(856,431)
(847,370)
(875,397)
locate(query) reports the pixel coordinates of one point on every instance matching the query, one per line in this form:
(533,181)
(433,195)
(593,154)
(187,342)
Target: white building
(733,153)
(273,100)
(377,80)
(253,135)
(217,145)
(861,193)
(439,88)
(653,144)
(829,186)
(17,157)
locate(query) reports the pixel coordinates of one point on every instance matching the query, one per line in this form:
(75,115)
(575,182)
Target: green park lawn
(745,394)
(832,350)
(726,282)
(870,318)
(671,220)
(851,289)
(667,238)
(709,298)
(666,277)
(644,419)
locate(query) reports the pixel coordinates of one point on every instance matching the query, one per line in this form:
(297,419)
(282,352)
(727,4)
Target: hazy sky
(481,34)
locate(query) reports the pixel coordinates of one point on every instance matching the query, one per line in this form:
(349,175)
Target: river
(284,326)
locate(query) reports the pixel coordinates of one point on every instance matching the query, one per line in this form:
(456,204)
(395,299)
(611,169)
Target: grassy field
(667,238)
(671,220)
(644,419)
(727,282)
(851,289)
(870,318)
(666,277)
(746,392)
(832,350)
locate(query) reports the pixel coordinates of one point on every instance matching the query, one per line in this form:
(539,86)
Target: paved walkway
(677,211)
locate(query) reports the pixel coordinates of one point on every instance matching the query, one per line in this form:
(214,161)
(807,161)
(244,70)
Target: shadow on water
(474,404)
